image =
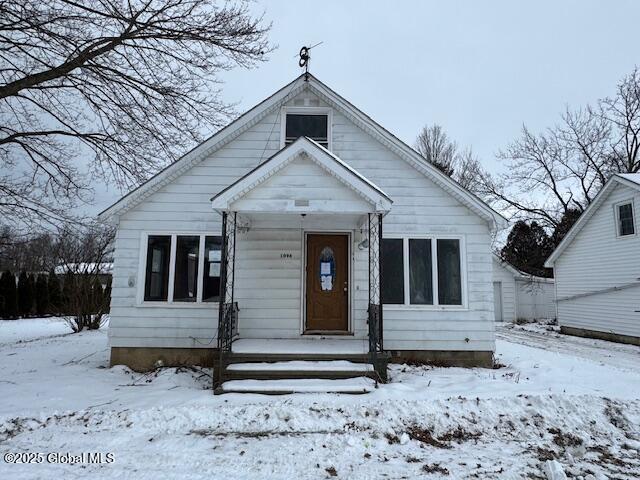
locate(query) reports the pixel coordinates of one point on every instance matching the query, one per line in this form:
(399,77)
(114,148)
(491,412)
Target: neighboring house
(262,243)
(597,266)
(519,296)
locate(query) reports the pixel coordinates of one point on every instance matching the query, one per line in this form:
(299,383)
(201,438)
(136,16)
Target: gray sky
(479,68)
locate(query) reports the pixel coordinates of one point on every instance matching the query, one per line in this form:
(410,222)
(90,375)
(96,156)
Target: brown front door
(327,282)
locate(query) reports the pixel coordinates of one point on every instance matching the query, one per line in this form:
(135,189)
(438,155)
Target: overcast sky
(479,68)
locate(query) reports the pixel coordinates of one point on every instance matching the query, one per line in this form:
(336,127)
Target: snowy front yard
(574,400)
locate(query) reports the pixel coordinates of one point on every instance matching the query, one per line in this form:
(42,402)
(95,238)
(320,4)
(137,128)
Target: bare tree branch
(109,88)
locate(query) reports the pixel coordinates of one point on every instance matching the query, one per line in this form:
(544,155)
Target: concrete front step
(291,369)
(358,385)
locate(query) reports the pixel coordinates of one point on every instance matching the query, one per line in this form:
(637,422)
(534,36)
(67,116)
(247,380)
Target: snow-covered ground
(574,400)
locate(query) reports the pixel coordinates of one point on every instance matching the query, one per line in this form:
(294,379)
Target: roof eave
(586,215)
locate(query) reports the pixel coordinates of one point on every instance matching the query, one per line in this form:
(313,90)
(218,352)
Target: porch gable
(303,177)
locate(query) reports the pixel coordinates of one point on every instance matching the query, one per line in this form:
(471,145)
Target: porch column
(375,285)
(228,310)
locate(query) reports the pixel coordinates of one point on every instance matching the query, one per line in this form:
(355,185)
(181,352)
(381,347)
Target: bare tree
(468,171)
(623,114)
(555,175)
(114,88)
(435,146)
(82,262)
(463,166)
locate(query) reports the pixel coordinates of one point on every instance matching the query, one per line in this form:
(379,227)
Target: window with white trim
(422,271)
(625,217)
(157,273)
(312,125)
(182,268)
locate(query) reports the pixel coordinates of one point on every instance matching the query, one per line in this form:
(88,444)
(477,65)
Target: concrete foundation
(143,359)
(444,358)
(611,337)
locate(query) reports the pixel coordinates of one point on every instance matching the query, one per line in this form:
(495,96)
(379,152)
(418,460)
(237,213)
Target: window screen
(420,279)
(625,219)
(212,262)
(185,286)
(157,272)
(449,277)
(392,271)
(312,126)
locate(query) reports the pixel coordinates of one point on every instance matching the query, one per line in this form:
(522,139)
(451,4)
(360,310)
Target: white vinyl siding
(267,288)
(535,299)
(507,283)
(595,262)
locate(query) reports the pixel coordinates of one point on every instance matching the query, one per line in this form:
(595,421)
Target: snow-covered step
(304,365)
(299,369)
(356,385)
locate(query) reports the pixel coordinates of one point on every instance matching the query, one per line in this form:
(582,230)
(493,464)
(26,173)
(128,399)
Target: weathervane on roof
(303,62)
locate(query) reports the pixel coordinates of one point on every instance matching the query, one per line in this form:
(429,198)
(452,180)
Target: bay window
(422,272)
(182,268)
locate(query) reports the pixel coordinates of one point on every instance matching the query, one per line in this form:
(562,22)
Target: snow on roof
(634,177)
(104,268)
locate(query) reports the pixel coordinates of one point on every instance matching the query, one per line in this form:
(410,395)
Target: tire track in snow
(608,353)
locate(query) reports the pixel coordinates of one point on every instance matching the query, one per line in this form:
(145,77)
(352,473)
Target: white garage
(520,296)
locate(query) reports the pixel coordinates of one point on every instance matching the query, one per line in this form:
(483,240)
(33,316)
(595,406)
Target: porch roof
(302,178)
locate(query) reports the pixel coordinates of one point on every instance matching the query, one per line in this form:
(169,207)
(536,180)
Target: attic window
(314,126)
(625,219)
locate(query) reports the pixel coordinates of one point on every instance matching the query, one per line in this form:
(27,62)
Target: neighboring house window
(157,274)
(626,224)
(422,271)
(315,126)
(191,262)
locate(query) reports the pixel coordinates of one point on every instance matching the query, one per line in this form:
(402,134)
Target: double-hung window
(625,219)
(422,271)
(306,122)
(182,268)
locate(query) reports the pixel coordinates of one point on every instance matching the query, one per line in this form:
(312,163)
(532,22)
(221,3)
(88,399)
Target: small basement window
(314,126)
(626,225)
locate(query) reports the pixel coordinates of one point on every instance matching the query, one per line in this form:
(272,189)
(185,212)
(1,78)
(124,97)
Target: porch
(317,303)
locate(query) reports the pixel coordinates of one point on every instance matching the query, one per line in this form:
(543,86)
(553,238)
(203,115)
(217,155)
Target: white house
(263,243)
(520,296)
(597,266)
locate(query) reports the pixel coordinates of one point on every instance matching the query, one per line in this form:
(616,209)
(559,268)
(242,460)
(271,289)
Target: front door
(327,283)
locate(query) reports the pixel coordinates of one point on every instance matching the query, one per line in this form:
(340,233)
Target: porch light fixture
(364,244)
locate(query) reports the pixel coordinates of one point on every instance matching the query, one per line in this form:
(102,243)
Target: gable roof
(272,103)
(304,146)
(631,180)
(519,274)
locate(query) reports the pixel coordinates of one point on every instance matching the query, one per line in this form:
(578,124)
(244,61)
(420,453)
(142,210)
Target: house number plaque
(286,255)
